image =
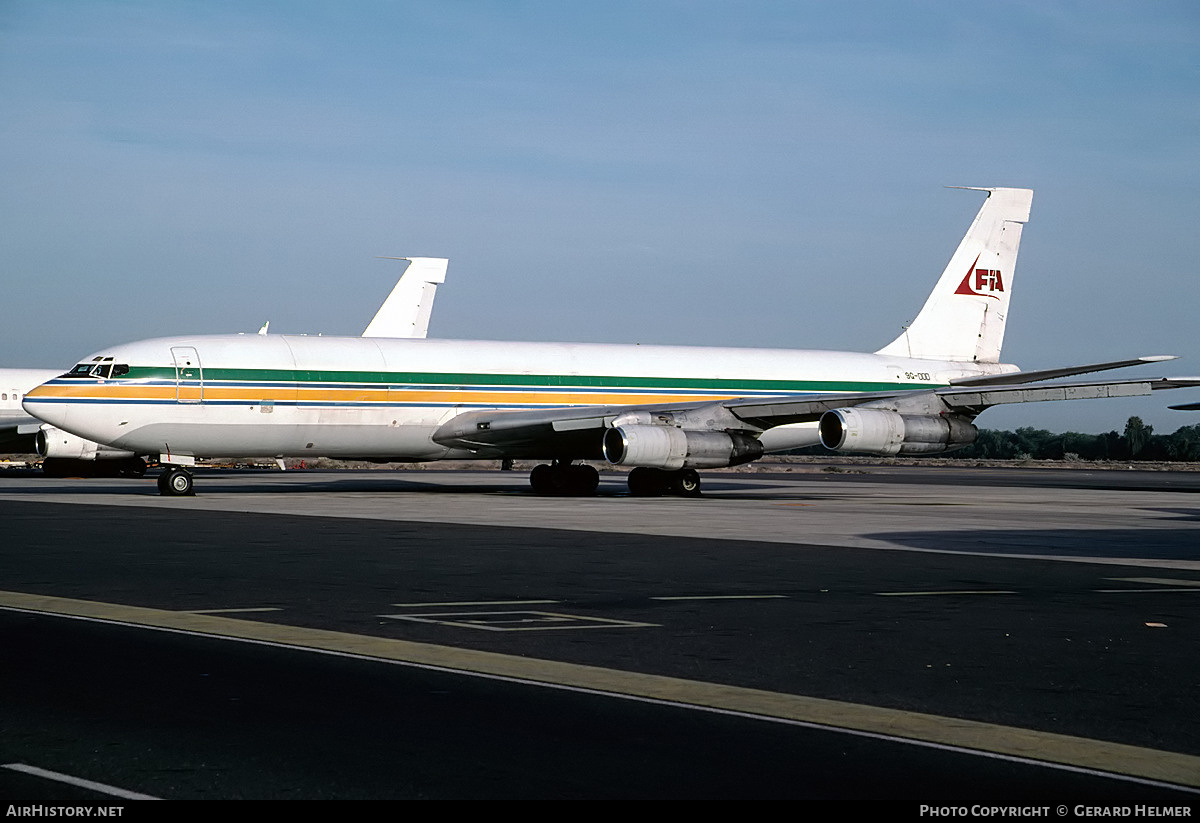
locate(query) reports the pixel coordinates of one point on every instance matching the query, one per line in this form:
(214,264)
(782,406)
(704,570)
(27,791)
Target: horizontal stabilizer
(1019,377)
(1186,407)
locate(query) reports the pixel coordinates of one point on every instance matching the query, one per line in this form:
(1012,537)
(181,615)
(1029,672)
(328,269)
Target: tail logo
(981,282)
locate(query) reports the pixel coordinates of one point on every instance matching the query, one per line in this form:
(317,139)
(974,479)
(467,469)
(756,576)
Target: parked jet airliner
(665,411)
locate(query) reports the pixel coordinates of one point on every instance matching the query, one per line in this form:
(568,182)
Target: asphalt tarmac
(912,636)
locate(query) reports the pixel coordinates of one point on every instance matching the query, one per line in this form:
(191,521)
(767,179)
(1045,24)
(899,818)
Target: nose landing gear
(175,482)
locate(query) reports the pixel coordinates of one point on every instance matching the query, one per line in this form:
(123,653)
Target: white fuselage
(382,398)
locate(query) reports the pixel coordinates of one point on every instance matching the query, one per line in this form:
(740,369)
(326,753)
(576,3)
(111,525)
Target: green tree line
(1137,442)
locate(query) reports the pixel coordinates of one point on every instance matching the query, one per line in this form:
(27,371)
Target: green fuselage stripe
(464,379)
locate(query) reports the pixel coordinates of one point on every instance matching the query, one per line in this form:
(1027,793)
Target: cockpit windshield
(101,368)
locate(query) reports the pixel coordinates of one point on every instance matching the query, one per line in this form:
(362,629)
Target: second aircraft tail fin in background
(406,311)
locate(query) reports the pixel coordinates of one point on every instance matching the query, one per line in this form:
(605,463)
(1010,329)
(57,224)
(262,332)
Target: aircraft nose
(37,403)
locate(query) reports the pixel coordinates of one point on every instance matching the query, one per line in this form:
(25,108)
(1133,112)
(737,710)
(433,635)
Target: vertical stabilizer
(407,309)
(963,319)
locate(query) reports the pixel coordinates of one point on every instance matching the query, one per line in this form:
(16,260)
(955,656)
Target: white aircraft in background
(665,411)
(18,429)
(405,313)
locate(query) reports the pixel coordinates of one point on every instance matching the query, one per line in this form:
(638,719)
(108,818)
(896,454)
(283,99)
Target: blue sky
(764,174)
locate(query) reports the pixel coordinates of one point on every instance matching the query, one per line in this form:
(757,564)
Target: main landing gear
(175,482)
(561,479)
(644,482)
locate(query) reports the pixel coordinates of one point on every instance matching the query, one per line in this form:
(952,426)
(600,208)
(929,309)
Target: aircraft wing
(572,430)
(769,412)
(19,423)
(13,419)
(1012,378)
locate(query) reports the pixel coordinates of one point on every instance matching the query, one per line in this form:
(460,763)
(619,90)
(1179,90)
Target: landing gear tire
(685,483)
(133,467)
(175,483)
(585,479)
(644,482)
(564,480)
(647,482)
(541,479)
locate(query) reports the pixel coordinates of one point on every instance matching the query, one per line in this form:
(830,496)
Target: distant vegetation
(1137,442)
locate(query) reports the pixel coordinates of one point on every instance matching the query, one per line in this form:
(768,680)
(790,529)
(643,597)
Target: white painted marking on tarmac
(233,611)
(926,594)
(1143,591)
(59,777)
(475,603)
(517,621)
(1160,581)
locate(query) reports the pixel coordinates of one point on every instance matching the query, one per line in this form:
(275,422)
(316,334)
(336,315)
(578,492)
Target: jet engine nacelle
(668,447)
(878,431)
(52,442)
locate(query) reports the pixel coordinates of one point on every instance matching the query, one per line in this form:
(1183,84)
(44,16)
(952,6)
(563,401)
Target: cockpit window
(102,370)
(79,371)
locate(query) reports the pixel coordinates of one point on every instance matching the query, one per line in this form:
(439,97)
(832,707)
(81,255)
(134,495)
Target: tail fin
(963,319)
(407,309)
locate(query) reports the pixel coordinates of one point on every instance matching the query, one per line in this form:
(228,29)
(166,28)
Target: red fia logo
(981,282)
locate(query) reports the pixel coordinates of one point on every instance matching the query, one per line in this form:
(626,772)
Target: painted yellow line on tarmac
(988,738)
